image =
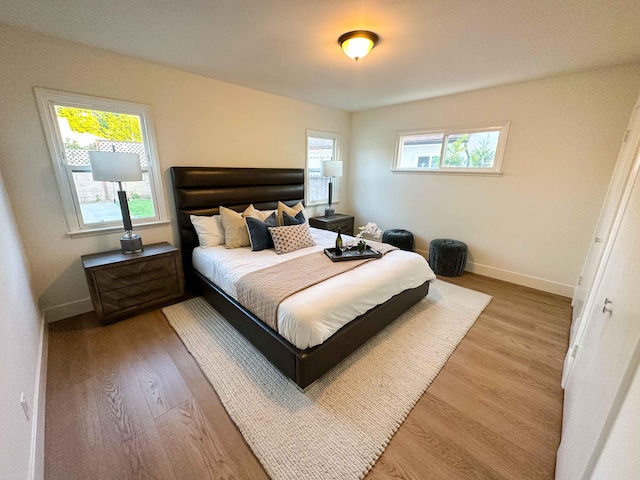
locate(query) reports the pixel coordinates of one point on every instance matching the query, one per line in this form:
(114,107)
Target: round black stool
(398,238)
(447,257)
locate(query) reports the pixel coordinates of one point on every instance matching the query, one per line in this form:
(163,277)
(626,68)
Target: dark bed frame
(200,191)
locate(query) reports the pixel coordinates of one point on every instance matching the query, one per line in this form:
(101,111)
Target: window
(74,125)
(321,146)
(477,149)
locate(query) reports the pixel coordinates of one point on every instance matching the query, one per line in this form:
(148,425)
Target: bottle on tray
(339,244)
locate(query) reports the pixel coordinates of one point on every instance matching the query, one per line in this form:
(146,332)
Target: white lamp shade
(115,166)
(331,168)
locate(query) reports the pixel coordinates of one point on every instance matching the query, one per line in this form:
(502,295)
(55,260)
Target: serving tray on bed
(351,254)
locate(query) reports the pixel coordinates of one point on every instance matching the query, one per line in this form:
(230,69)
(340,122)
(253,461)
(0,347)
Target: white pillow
(209,230)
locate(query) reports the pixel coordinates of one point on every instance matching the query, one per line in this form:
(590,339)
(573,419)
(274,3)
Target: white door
(609,353)
(609,208)
(584,295)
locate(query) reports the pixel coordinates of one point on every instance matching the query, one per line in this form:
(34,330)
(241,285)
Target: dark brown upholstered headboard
(201,191)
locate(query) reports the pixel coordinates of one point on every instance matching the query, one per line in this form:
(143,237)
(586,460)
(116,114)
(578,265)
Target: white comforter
(309,317)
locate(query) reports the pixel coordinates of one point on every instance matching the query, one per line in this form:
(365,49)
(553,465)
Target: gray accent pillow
(288,220)
(259,235)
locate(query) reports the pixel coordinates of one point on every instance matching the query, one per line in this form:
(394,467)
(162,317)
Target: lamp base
(329,212)
(131,243)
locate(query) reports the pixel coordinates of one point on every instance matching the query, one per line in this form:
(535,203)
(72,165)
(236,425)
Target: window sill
(321,202)
(445,172)
(103,231)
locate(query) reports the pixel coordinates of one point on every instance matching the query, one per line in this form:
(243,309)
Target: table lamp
(119,167)
(331,169)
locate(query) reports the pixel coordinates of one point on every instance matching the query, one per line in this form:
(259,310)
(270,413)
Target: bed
(200,191)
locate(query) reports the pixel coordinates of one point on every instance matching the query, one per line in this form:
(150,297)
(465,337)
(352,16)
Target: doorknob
(605,309)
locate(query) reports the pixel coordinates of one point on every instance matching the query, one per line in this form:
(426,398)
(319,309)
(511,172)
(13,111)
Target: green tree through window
(459,155)
(113,126)
(477,149)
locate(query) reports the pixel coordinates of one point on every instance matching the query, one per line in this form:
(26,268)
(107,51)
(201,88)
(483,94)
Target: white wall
(533,224)
(198,121)
(619,457)
(21,330)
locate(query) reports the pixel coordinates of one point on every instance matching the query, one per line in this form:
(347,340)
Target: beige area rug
(339,427)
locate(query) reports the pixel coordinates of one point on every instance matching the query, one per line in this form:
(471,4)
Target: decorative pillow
(288,239)
(259,235)
(293,211)
(235,228)
(270,219)
(252,211)
(209,229)
(264,214)
(288,220)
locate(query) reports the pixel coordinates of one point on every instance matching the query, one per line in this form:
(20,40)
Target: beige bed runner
(262,291)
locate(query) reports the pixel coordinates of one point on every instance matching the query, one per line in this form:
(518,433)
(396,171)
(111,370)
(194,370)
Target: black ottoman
(447,257)
(398,238)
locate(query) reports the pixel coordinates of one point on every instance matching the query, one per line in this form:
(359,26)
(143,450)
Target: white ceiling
(427,48)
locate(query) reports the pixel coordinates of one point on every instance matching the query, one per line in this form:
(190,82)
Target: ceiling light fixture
(358,44)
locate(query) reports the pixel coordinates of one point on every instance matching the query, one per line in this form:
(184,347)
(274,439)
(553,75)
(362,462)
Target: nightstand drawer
(345,225)
(134,273)
(139,293)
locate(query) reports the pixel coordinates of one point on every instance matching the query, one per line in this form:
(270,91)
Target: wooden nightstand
(338,221)
(124,285)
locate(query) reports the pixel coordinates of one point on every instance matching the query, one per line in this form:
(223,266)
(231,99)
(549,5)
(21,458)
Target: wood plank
(427,453)
(161,383)
(497,415)
(131,444)
(73,455)
(194,448)
(399,462)
(67,354)
(498,372)
(489,450)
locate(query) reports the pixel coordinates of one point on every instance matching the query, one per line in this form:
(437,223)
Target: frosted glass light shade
(358,44)
(115,167)
(331,168)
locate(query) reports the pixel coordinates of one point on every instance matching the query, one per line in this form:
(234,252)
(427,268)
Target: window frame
(47,100)
(501,127)
(336,182)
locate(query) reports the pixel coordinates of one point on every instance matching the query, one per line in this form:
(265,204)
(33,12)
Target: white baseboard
(36,468)
(66,310)
(517,278)
(521,279)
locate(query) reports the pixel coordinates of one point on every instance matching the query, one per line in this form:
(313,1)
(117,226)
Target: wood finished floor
(128,401)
